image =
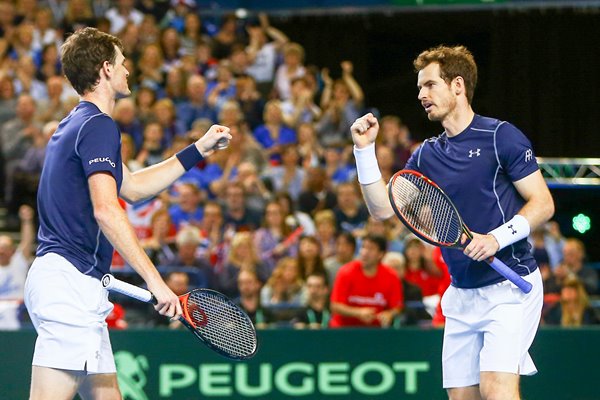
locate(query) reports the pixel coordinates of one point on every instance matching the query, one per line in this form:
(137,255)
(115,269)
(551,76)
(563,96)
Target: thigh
(53,384)
(499,385)
(100,387)
(464,393)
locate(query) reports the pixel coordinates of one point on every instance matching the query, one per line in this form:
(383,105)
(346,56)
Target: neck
(458,120)
(369,270)
(103,101)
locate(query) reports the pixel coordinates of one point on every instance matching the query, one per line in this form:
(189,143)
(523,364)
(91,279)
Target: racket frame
(111,283)
(494,262)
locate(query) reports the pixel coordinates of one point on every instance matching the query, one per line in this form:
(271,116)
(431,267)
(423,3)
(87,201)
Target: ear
(458,85)
(107,68)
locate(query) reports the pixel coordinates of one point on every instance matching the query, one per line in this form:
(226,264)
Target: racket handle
(111,283)
(511,275)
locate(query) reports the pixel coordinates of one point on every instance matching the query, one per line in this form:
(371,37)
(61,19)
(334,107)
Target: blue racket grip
(509,274)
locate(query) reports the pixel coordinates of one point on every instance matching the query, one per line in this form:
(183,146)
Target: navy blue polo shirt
(87,141)
(476,169)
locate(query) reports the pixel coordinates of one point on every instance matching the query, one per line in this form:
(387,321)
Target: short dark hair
(83,54)
(349,238)
(377,240)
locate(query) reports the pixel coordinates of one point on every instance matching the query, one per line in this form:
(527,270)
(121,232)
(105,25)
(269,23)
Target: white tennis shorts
(489,329)
(68,310)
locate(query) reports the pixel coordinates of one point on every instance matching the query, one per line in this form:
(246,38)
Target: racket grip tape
(113,284)
(511,275)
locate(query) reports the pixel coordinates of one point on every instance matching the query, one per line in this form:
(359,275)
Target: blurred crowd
(276,220)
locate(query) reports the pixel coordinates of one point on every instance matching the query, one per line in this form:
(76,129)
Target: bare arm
(364,132)
(365,314)
(116,227)
(26,215)
(355,90)
(150,181)
(538,209)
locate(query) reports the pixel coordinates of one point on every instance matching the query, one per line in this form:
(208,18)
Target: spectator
(273,134)
(50,63)
(14,264)
(288,176)
(285,285)
(573,260)
(150,66)
(175,85)
(345,249)
(573,309)
(125,116)
(44,33)
(242,256)
(310,150)
(316,195)
(249,287)
(212,244)
(152,147)
(309,256)
(179,283)
(166,116)
(300,107)
(237,214)
(160,245)
(195,105)
(187,241)
(192,33)
(222,88)
(262,54)
(341,103)
(122,13)
(78,15)
(316,314)
(226,37)
(25,80)
(423,272)
(292,67)
(52,108)
(351,214)
(295,218)
(187,211)
(396,136)
(170,45)
(273,240)
(250,101)
(326,232)
(145,99)
(336,165)
(366,292)
(8,102)
(257,193)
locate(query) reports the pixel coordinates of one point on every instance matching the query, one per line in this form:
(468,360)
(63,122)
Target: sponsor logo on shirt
(528,155)
(475,153)
(377,300)
(101,160)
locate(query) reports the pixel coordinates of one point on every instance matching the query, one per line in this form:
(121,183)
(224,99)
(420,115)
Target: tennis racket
(429,213)
(210,315)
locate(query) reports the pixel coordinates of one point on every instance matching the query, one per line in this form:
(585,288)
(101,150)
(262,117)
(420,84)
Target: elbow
(550,209)
(102,214)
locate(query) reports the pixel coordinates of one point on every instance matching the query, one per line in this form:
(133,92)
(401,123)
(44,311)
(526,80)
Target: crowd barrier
(328,364)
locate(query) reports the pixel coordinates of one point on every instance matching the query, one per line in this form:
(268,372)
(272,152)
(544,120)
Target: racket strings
(426,209)
(222,324)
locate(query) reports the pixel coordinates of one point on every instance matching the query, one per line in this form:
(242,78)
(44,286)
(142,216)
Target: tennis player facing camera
(488,170)
(81,221)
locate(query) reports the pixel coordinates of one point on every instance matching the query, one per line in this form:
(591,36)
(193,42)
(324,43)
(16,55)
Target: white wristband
(366,165)
(511,232)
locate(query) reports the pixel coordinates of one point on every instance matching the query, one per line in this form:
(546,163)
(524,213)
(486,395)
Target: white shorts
(68,310)
(489,329)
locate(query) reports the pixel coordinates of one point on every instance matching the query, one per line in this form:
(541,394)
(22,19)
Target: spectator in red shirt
(366,292)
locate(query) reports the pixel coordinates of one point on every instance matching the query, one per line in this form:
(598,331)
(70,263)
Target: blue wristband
(189,157)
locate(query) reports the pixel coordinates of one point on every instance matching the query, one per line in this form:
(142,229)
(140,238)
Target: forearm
(538,211)
(355,90)
(116,227)
(27,237)
(152,180)
(345,310)
(377,200)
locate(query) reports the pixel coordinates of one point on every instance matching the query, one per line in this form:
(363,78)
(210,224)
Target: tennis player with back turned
(488,169)
(81,221)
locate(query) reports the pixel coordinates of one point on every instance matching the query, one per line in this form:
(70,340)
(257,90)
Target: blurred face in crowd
(234,196)
(248,284)
(196,88)
(25,107)
(189,198)
(370,255)
(212,216)
(573,253)
(344,249)
(7,249)
(316,288)
(178,282)
(308,248)
(273,215)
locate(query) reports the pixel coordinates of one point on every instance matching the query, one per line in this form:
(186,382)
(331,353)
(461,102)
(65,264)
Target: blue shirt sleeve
(515,152)
(99,147)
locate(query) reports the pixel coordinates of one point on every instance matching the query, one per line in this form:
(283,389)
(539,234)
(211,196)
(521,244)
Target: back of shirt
(87,141)
(477,169)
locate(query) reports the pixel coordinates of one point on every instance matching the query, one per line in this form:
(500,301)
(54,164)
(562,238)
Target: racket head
(219,323)
(425,209)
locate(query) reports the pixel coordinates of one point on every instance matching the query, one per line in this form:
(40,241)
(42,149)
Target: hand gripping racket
(429,213)
(212,317)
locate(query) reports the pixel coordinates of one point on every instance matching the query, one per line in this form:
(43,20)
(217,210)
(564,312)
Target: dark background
(538,69)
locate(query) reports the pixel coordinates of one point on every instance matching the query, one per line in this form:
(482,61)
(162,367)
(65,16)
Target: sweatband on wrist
(366,165)
(511,232)
(189,157)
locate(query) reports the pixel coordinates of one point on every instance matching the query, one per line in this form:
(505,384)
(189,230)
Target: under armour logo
(474,153)
(97,355)
(528,155)
(513,231)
